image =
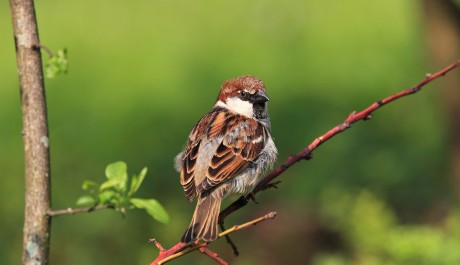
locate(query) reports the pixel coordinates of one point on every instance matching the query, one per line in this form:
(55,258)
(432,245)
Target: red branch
(181,248)
(165,253)
(213,255)
(305,154)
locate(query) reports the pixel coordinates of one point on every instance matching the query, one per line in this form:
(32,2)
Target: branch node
(157,244)
(415,89)
(273,185)
(271,215)
(350,117)
(345,125)
(41,46)
(307,154)
(252,197)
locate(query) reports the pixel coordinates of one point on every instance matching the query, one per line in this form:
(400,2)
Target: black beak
(261,97)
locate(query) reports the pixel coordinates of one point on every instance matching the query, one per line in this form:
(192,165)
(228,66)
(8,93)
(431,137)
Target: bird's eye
(243,93)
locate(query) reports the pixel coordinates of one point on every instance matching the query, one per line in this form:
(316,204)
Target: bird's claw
(252,197)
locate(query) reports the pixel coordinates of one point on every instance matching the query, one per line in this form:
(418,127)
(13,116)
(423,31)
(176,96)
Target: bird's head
(244,95)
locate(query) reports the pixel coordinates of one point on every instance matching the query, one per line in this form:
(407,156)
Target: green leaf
(109,184)
(88,184)
(118,173)
(116,170)
(57,64)
(136,181)
(106,197)
(153,207)
(86,200)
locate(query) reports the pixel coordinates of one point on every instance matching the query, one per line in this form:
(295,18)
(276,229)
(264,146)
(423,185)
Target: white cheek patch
(238,106)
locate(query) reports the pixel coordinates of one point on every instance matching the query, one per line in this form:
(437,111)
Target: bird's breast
(245,182)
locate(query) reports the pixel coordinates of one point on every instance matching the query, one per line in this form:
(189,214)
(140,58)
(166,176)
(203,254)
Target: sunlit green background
(141,74)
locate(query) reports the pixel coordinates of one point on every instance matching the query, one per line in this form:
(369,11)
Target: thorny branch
(307,153)
(181,249)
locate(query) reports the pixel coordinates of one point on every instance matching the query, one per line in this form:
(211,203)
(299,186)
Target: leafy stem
(116,193)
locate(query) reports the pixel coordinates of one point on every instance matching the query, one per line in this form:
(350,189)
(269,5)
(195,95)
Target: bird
(226,152)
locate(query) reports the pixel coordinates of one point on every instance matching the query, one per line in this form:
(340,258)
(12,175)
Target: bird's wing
(243,140)
(189,157)
(188,168)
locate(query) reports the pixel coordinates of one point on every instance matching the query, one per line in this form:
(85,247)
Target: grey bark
(35,134)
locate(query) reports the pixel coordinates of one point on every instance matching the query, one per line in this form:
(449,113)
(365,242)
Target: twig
(181,248)
(78,210)
(213,255)
(157,244)
(41,46)
(306,154)
(229,241)
(270,215)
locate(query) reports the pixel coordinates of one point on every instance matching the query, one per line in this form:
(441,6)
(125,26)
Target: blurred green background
(140,76)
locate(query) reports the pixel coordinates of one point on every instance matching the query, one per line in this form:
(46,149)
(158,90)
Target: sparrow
(227,152)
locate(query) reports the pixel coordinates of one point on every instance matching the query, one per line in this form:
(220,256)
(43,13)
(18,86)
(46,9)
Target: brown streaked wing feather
(217,124)
(188,167)
(235,153)
(189,190)
(215,116)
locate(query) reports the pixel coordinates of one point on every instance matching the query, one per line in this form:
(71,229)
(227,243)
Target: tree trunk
(35,134)
(442,19)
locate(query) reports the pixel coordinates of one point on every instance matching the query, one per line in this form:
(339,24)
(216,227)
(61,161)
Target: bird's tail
(204,222)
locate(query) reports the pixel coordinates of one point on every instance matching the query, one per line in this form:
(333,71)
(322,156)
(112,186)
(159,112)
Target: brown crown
(231,87)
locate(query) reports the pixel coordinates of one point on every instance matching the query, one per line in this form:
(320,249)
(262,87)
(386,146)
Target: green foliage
(114,192)
(376,238)
(153,207)
(57,64)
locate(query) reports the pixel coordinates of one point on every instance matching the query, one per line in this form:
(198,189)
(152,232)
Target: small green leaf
(116,170)
(86,200)
(106,197)
(118,173)
(57,64)
(109,184)
(153,207)
(136,181)
(88,184)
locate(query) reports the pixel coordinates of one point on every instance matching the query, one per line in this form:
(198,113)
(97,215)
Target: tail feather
(204,222)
